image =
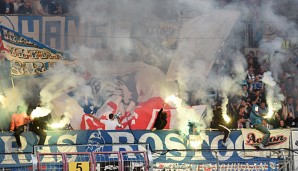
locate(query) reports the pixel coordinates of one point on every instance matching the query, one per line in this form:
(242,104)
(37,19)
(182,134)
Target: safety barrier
(25,162)
(55,161)
(93,161)
(78,160)
(134,160)
(277,160)
(280,159)
(107,160)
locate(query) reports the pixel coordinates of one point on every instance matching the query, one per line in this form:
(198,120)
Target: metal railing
(215,160)
(97,161)
(224,159)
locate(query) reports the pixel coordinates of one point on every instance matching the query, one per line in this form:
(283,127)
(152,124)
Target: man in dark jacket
(161,120)
(38,126)
(219,123)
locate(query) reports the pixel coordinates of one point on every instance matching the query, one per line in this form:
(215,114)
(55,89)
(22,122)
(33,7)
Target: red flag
(142,118)
(90,123)
(146,114)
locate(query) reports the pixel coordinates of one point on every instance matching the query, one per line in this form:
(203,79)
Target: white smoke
(277,30)
(129,22)
(40,112)
(274,97)
(192,76)
(192,117)
(276,57)
(59,80)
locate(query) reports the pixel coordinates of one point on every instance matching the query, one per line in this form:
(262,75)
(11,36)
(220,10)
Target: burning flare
(195,141)
(226,117)
(174,99)
(2,99)
(40,112)
(65,120)
(224,108)
(56,125)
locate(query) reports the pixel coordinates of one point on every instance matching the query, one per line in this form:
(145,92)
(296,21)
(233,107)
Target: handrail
(218,149)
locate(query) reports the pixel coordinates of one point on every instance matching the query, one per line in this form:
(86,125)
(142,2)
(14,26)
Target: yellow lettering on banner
(78,166)
(19,68)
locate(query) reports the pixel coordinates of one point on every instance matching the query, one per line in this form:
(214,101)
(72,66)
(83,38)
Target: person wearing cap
(18,124)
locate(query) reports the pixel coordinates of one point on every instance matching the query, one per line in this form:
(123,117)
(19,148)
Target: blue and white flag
(27,56)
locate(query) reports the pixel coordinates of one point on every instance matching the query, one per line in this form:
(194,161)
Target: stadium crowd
(240,105)
(35,7)
(283,62)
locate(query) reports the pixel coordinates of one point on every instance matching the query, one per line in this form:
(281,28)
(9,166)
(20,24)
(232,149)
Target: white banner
(279,138)
(295,147)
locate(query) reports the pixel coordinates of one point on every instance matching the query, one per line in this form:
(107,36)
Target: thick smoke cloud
(134,22)
(278,29)
(129,29)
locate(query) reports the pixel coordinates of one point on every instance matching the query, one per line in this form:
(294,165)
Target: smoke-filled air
(188,54)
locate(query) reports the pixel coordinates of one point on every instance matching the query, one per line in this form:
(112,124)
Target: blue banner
(58,32)
(166,146)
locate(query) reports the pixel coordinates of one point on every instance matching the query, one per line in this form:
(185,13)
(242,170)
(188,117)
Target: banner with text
(279,138)
(165,146)
(27,57)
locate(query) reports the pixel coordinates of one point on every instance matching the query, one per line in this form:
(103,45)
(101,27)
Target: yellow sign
(78,166)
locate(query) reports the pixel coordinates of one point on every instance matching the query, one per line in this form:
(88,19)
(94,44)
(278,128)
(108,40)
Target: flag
(90,123)
(28,57)
(142,117)
(199,42)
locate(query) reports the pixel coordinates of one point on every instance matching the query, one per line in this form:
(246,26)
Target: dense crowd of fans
(252,86)
(35,7)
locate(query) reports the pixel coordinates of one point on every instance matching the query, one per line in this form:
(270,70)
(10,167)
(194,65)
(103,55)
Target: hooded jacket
(18,119)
